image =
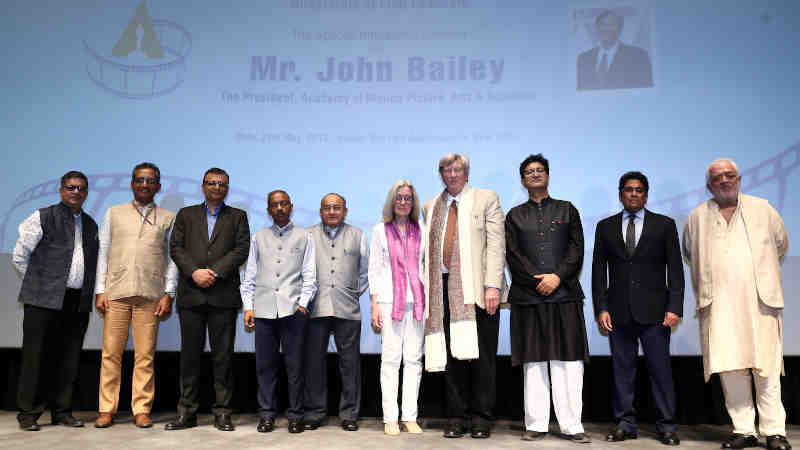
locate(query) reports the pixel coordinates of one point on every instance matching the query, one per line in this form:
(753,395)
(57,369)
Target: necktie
(630,236)
(450,233)
(602,69)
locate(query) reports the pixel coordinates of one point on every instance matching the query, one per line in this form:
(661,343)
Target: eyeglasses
(629,189)
(75,187)
(143,180)
(532,171)
(282,203)
(403,199)
(335,208)
(730,176)
(221,184)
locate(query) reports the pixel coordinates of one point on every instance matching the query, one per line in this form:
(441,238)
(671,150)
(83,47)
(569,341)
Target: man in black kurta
(544,249)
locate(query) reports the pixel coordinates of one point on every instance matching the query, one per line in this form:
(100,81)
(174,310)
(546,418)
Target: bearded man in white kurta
(734,245)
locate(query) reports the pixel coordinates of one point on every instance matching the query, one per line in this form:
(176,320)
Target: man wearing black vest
(637,287)
(56,254)
(209,243)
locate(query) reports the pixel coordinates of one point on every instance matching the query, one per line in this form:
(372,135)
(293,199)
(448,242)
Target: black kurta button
(332,271)
(332,258)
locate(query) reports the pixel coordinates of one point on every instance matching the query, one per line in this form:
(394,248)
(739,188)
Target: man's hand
(302,310)
(604,319)
(549,283)
(671,319)
(377,320)
(249,318)
(164,305)
(204,277)
(491,298)
(101,302)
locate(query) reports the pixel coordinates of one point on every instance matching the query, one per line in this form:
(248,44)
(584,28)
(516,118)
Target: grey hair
(719,160)
(450,158)
(388,207)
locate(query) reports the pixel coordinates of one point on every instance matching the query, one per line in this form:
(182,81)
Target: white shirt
(610,53)
(380,266)
(638,224)
(171,277)
(30,234)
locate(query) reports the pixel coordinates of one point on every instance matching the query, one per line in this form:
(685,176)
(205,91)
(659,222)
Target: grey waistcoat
(279,278)
(338,264)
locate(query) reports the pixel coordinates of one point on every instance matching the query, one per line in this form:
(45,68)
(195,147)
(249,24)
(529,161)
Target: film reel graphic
(144,81)
(179,191)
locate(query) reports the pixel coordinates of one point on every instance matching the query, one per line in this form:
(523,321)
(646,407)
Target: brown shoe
(104,420)
(143,420)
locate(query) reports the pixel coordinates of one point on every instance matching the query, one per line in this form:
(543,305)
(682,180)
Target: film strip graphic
(176,192)
(772,170)
(144,81)
(179,191)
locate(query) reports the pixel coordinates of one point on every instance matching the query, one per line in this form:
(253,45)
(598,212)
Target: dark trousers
(221,325)
(287,333)
(470,386)
(624,341)
(347,336)
(51,350)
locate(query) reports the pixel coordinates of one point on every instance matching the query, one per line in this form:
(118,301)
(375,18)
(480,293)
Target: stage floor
(124,435)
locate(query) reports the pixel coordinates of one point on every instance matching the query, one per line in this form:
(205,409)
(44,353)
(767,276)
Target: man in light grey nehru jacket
(280,281)
(342,263)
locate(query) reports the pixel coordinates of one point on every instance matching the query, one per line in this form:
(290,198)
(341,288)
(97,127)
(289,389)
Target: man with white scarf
(463,282)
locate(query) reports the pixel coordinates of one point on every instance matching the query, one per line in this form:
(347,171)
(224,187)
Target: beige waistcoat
(137,257)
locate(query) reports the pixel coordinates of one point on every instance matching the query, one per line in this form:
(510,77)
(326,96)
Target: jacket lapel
(616,229)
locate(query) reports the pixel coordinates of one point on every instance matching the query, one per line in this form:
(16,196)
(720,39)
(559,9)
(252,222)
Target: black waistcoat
(45,280)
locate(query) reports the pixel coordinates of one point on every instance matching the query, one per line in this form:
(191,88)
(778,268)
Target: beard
(726,197)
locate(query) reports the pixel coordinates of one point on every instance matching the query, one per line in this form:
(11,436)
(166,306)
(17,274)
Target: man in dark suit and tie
(209,243)
(637,287)
(613,64)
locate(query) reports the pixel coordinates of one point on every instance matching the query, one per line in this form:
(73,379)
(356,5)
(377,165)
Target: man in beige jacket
(135,285)
(734,244)
(466,251)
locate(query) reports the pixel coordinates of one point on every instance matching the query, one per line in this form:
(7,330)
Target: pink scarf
(402,262)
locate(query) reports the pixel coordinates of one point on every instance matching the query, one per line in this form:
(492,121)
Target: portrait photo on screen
(612,46)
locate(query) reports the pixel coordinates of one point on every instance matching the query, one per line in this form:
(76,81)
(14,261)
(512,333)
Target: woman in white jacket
(396,268)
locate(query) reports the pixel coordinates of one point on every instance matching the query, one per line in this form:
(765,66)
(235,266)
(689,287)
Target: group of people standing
(436,278)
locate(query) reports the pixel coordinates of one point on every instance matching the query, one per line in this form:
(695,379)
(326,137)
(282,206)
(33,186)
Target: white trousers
(736,385)
(567,382)
(401,341)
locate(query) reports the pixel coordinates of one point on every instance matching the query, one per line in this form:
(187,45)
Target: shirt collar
(450,198)
(611,52)
(331,230)
(215,214)
(285,229)
(144,207)
(638,214)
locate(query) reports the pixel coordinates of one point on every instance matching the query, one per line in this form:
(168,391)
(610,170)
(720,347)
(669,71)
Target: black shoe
(29,426)
(68,421)
(309,425)
(528,435)
(181,423)
(480,432)
(669,438)
(349,425)
(295,426)
(265,425)
(619,435)
(736,440)
(454,430)
(578,438)
(223,422)
(778,442)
